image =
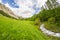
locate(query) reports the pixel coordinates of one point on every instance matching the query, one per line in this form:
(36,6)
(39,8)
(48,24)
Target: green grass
(11,29)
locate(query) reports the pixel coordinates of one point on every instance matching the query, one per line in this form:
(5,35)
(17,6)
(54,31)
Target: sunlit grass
(11,29)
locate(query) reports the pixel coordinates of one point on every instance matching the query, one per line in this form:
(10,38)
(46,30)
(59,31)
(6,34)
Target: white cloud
(0,1)
(24,10)
(58,1)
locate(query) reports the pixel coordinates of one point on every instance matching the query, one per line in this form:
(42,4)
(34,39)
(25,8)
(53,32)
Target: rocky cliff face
(50,4)
(8,11)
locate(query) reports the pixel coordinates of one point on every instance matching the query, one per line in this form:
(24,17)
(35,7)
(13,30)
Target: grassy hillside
(11,29)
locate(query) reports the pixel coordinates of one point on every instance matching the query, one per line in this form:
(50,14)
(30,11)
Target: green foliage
(44,15)
(37,21)
(55,27)
(57,13)
(51,20)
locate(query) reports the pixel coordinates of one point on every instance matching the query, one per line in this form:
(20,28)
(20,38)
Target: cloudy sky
(58,1)
(24,8)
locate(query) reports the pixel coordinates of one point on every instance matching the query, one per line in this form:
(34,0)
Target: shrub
(37,21)
(51,20)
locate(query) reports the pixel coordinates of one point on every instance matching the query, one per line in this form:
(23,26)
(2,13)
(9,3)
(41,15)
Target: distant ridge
(8,11)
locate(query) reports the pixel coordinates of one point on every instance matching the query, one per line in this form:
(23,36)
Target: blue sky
(11,3)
